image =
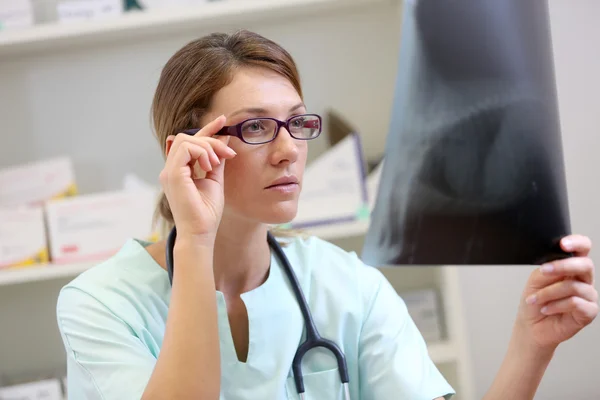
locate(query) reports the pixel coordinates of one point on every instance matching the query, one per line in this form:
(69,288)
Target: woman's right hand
(196,203)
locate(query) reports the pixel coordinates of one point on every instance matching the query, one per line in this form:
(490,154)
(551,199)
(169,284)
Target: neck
(241,257)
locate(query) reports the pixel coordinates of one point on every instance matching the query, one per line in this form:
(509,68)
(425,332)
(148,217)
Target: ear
(169,144)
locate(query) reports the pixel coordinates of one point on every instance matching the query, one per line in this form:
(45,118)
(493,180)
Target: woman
(230,325)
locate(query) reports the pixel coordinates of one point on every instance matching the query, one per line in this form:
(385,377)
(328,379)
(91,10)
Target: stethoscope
(313,338)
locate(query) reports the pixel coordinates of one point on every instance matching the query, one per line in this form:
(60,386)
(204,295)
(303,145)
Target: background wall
(491,295)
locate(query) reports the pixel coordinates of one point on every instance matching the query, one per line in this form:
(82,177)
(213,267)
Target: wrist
(196,246)
(524,347)
(190,240)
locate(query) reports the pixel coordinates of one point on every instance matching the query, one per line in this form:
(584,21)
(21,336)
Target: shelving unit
(325,35)
(169,21)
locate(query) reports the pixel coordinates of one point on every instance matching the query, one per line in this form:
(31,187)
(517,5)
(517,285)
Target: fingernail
(547,268)
(544,310)
(531,299)
(567,243)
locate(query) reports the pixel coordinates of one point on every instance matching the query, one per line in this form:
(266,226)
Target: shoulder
(121,285)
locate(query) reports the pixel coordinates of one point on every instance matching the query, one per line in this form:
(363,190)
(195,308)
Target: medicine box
(34,183)
(334,187)
(69,11)
(22,237)
(423,307)
(42,390)
(93,227)
(16,14)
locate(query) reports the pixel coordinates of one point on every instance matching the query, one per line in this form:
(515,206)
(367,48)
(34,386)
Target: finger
(577,244)
(564,289)
(583,311)
(217,173)
(581,268)
(212,145)
(189,154)
(212,127)
(210,150)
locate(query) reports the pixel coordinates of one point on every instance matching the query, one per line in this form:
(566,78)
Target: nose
(284,148)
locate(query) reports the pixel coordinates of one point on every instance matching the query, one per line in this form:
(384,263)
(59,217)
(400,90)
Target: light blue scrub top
(112,321)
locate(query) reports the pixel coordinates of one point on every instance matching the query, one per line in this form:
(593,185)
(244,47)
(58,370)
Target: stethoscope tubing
(313,338)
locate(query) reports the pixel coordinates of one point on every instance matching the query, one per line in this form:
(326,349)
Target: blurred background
(76,83)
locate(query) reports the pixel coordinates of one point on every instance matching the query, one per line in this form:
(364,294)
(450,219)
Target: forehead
(256,88)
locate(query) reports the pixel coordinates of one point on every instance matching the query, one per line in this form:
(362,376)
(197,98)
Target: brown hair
(196,72)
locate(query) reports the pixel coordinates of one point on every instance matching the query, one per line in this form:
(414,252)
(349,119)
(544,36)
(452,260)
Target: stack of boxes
(44,221)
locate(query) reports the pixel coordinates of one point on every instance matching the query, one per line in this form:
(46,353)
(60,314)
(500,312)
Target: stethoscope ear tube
(169,253)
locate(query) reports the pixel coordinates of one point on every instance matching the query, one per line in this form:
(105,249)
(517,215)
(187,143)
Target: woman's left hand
(560,298)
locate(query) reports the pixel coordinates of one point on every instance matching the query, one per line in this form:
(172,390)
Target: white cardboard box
(88,10)
(22,237)
(95,226)
(42,390)
(334,187)
(16,14)
(424,309)
(34,183)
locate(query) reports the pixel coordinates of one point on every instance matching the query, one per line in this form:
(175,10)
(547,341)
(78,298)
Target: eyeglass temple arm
(224,131)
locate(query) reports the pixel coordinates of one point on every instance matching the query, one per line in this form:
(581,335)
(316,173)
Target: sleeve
(105,359)
(393,358)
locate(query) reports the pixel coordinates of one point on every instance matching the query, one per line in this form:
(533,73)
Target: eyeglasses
(265,130)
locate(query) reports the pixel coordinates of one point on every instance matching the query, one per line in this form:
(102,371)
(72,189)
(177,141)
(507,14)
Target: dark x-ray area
(473,168)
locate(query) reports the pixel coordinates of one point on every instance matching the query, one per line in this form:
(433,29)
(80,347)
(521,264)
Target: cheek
(241,175)
(302,154)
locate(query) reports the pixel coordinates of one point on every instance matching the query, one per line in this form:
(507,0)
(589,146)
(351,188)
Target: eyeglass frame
(236,130)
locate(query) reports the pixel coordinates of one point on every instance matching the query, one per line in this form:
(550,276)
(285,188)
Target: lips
(283,181)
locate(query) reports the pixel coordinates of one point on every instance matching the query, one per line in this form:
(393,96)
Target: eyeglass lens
(261,130)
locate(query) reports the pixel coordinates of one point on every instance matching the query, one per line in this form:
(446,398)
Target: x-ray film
(473,169)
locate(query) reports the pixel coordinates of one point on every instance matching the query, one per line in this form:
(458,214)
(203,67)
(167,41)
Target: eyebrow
(258,110)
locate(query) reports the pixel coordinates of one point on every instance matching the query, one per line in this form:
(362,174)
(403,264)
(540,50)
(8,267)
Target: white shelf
(340,230)
(156,23)
(43,272)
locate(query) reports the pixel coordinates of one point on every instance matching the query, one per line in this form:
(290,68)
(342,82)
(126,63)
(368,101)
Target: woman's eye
(298,123)
(253,126)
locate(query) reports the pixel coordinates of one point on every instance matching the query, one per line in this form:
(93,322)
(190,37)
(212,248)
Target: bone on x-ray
(473,170)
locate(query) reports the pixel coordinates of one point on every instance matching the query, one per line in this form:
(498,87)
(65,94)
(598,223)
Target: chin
(278,214)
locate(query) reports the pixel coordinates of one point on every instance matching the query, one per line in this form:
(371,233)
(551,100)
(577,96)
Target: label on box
(22,237)
(86,10)
(42,390)
(94,227)
(35,183)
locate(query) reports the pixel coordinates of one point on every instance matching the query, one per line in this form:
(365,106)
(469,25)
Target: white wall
(491,295)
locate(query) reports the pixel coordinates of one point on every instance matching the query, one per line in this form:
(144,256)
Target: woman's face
(251,192)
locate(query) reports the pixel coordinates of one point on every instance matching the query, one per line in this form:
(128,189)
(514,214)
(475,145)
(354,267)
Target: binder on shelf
(334,187)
